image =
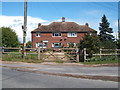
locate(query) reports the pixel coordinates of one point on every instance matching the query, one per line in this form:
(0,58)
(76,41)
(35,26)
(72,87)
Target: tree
(29,44)
(9,37)
(118,41)
(91,43)
(107,40)
(105,30)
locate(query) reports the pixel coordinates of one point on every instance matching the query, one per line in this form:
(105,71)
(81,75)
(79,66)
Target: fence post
(38,53)
(19,50)
(77,52)
(3,50)
(100,52)
(116,52)
(84,54)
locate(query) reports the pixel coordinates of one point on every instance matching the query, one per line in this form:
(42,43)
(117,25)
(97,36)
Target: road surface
(18,79)
(76,70)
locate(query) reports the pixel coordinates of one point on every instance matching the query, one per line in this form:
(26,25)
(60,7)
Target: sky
(47,12)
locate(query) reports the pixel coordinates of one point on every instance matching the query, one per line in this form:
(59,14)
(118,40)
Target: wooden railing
(10,50)
(115,53)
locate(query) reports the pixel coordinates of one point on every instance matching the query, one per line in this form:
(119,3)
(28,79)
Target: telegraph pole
(24,29)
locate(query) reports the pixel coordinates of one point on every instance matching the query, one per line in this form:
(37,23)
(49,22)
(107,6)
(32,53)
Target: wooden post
(3,50)
(116,52)
(84,54)
(77,52)
(19,51)
(38,53)
(100,52)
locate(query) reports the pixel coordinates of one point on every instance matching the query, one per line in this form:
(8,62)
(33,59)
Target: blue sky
(46,12)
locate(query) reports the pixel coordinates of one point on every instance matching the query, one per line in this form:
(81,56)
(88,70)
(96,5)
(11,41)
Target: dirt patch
(64,64)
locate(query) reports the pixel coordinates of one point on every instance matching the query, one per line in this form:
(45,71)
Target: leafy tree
(91,43)
(105,30)
(29,44)
(9,37)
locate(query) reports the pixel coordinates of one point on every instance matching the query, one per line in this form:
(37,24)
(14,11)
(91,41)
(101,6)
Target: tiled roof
(64,27)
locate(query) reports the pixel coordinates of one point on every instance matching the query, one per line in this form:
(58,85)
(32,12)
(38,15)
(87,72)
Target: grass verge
(103,60)
(31,58)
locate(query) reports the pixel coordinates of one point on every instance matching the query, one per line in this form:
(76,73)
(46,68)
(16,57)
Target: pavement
(102,72)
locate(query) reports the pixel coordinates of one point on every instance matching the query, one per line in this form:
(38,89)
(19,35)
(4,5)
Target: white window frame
(38,34)
(37,44)
(90,33)
(53,34)
(56,43)
(70,34)
(45,41)
(75,44)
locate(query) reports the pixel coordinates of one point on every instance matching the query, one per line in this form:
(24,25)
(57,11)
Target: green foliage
(118,41)
(29,44)
(103,60)
(105,30)
(91,43)
(71,45)
(108,44)
(9,37)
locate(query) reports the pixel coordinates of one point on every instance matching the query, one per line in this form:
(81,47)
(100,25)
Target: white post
(84,54)
(100,52)
(38,53)
(77,52)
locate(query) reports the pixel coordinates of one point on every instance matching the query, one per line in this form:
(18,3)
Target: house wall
(51,39)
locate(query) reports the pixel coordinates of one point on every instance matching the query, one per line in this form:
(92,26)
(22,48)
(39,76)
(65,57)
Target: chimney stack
(63,19)
(39,24)
(87,24)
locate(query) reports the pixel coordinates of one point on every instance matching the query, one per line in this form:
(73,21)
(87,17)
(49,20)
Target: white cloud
(15,22)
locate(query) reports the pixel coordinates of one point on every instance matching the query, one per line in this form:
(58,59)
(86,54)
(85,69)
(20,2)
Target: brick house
(59,34)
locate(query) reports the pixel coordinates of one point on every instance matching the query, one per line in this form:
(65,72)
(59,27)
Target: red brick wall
(51,39)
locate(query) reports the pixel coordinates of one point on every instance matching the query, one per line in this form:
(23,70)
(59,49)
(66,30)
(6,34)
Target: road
(18,79)
(69,69)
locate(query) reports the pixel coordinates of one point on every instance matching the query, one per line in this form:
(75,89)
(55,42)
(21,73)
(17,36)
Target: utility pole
(24,29)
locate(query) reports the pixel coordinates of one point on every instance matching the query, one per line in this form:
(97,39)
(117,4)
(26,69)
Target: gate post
(77,53)
(84,51)
(38,53)
(100,52)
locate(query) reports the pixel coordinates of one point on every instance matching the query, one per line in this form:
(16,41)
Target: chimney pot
(63,19)
(87,24)
(39,24)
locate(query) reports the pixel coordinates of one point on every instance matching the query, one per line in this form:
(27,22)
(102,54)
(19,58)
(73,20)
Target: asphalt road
(18,79)
(76,70)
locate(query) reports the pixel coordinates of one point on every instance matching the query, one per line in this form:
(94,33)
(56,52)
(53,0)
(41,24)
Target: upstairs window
(72,34)
(57,34)
(37,34)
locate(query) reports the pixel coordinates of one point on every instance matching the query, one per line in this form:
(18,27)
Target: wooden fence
(38,51)
(74,52)
(116,52)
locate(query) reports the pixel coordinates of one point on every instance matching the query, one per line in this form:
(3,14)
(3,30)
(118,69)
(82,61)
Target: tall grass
(30,58)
